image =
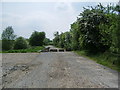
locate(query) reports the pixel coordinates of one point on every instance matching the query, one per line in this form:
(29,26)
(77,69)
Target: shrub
(20,43)
(7,44)
(37,38)
(8,38)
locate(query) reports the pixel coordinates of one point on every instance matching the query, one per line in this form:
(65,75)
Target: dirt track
(55,70)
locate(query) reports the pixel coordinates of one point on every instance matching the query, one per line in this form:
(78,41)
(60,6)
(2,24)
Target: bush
(7,44)
(37,38)
(20,43)
(8,38)
(30,49)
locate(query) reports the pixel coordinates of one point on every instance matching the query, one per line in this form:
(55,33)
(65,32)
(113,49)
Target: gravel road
(55,70)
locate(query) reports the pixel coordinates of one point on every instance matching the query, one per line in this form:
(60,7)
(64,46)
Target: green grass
(106,59)
(29,50)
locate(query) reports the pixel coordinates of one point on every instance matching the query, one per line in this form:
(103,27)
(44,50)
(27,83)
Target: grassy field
(31,49)
(106,59)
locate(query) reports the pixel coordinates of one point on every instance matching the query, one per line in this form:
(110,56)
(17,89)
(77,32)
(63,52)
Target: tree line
(96,30)
(10,41)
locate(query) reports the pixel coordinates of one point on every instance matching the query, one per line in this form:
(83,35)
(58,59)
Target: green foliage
(75,34)
(96,30)
(0,45)
(7,44)
(37,38)
(63,40)
(8,34)
(29,50)
(67,43)
(118,31)
(47,41)
(8,38)
(20,43)
(115,30)
(89,26)
(56,39)
(107,58)
(12,45)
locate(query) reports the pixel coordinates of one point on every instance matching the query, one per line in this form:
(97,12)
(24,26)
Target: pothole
(21,67)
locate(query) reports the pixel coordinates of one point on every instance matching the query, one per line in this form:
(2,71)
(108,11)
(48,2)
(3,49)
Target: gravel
(55,70)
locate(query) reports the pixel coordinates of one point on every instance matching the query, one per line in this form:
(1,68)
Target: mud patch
(21,67)
(17,71)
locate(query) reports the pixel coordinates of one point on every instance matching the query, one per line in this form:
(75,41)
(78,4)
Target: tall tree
(90,20)
(56,39)
(37,38)
(8,34)
(47,41)
(8,38)
(75,36)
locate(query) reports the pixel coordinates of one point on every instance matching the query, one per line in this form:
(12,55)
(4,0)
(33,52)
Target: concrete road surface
(55,70)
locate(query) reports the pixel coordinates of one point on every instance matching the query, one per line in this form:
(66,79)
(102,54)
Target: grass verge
(29,50)
(106,59)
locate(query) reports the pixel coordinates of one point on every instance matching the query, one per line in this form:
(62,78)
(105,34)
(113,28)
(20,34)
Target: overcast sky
(26,17)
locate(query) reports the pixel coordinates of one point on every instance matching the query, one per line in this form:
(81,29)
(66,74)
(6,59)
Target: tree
(67,42)
(8,38)
(47,41)
(75,36)
(20,43)
(8,34)
(93,37)
(117,9)
(37,38)
(96,30)
(56,39)
(41,37)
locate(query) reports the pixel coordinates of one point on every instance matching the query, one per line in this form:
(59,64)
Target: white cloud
(58,19)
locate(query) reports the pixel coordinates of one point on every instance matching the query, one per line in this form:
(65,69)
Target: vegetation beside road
(29,50)
(107,59)
(13,44)
(97,32)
